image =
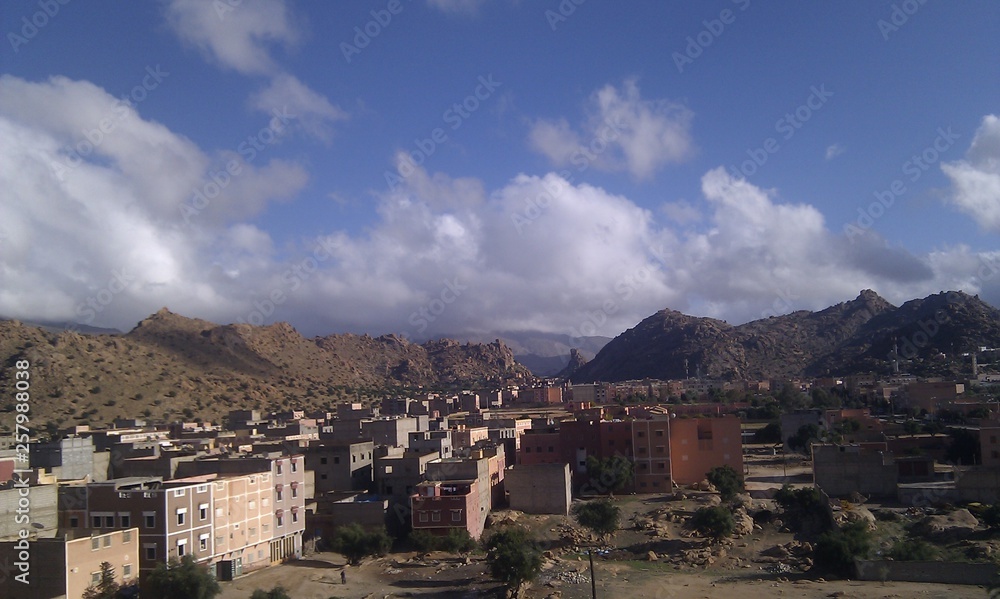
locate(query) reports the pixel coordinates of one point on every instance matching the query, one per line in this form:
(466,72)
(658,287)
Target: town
(261,489)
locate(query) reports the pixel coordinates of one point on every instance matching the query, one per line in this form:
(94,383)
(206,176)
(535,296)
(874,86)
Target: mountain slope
(171,366)
(854,336)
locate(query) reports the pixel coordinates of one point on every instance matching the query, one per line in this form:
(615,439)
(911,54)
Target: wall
(699,444)
(540,488)
(43,507)
(843,469)
(940,572)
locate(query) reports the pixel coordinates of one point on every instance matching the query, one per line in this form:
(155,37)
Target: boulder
(956,525)
(856,513)
(744,523)
(651,556)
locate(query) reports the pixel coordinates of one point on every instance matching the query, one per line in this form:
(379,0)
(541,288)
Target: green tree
(107,587)
(802,438)
(610,474)
(184,579)
(601,516)
(769,434)
(726,480)
(513,557)
(356,543)
(277,592)
(913,550)
(964,448)
(715,522)
(837,549)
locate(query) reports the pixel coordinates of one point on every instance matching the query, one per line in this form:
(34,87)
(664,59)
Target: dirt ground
(625,571)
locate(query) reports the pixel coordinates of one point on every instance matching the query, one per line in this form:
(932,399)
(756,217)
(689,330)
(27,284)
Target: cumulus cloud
(238,37)
(835,150)
(241,37)
(457,6)
(976,179)
(622,131)
(100,237)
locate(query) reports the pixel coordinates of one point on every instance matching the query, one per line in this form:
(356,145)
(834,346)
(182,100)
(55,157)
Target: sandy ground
(320,579)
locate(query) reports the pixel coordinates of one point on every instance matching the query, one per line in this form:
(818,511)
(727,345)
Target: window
(203,543)
(96,521)
(661,465)
(74,522)
(281,520)
(107,541)
(95,543)
(456,515)
(354,458)
(278,495)
(218,512)
(336,459)
(127,571)
(265,502)
(659,433)
(252,504)
(181,516)
(322,477)
(641,434)
(294,466)
(295,492)
(388,489)
(322,460)
(203,511)
(202,488)
(182,547)
(527,450)
(178,492)
(552,449)
(150,551)
(219,539)
(265,527)
(435,516)
(126,520)
(149,520)
(295,516)
(253,531)
(126,536)
(109,522)
(423,516)
(95,578)
(388,469)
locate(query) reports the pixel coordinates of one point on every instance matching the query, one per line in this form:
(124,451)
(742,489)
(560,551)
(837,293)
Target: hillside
(170,366)
(854,336)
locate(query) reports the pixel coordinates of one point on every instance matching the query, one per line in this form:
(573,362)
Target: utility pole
(593,581)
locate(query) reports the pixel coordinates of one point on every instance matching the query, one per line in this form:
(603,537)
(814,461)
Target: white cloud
(238,37)
(313,113)
(622,132)
(536,253)
(835,150)
(976,179)
(457,6)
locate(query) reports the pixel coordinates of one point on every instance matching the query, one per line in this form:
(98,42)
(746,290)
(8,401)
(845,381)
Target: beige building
(65,565)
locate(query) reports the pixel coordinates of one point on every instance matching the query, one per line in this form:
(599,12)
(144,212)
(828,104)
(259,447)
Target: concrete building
(341,465)
(841,470)
(929,395)
(439,441)
(44,512)
(63,566)
(70,458)
(540,488)
(393,432)
(591,392)
(699,444)
(467,436)
(439,506)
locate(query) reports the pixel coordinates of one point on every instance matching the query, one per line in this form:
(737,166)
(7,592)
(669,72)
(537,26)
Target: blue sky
(580,165)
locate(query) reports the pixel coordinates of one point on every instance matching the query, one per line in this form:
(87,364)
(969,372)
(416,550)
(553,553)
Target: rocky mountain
(171,366)
(855,336)
(545,354)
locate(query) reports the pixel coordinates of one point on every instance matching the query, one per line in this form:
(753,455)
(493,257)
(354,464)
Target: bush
(277,592)
(355,543)
(915,550)
(513,556)
(184,579)
(769,434)
(456,541)
(715,522)
(601,516)
(837,549)
(726,480)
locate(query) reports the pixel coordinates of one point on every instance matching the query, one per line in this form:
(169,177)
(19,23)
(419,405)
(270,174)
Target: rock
(744,523)
(651,556)
(778,551)
(857,513)
(956,525)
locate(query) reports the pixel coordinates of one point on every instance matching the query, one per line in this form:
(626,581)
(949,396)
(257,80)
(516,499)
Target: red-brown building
(699,444)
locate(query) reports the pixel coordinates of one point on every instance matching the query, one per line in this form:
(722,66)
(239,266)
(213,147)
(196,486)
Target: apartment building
(341,465)
(66,564)
(699,444)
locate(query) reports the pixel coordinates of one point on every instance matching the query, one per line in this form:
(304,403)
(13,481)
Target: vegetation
(456,541)
(715,522)
(610,474)
(356,543)
(801,440)
(277,592)
(803,509)
(991,517)
(107,588)
(728,481)
(913,550)
(601,516)
(769,434)
(513,557)
(836,549)
(184,579)
(964,448)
